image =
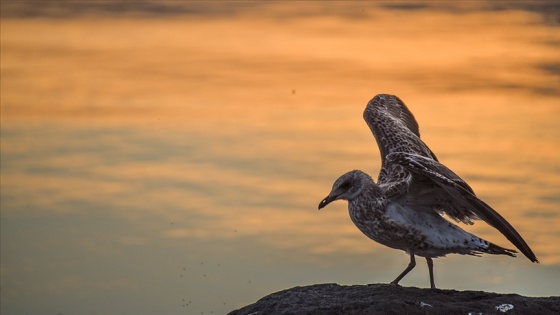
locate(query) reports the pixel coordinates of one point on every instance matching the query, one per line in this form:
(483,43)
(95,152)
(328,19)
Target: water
(171,160)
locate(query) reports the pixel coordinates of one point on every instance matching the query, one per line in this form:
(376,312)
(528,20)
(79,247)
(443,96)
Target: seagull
(404,209)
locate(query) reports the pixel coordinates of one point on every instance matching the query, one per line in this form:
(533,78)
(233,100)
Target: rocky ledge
(391,299)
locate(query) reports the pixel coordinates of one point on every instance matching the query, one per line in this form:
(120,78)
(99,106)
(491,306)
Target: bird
(404,209)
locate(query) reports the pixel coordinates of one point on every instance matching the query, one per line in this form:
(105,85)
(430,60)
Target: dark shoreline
(390,299)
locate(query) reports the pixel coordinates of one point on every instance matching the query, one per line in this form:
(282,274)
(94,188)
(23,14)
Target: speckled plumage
(403,210)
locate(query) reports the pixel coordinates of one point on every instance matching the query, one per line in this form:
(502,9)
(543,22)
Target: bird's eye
(345,185)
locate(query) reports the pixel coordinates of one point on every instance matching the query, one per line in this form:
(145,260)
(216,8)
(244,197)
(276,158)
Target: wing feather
(394,127)
(462,194)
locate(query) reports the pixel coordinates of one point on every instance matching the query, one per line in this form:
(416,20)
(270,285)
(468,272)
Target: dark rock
(391,299)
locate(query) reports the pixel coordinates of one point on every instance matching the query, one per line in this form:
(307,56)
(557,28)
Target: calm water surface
(173,164)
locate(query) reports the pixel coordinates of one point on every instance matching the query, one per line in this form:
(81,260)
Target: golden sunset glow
(212,139)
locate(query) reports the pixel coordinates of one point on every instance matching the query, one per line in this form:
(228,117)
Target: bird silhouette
(403,210)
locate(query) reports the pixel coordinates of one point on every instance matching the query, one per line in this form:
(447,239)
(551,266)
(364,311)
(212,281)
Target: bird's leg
(411,266)
(431,269)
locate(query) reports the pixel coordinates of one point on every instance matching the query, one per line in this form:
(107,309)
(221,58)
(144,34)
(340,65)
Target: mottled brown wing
(396,107)
(394,127)
(466,204)
(395,130)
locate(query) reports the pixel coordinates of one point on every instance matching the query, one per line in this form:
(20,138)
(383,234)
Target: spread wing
(396,108)
(394,127)
(433,181)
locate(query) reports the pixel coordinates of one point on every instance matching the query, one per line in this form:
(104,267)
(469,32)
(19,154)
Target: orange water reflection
(231,130)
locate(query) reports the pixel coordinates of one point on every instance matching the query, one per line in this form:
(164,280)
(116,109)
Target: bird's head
(347,187)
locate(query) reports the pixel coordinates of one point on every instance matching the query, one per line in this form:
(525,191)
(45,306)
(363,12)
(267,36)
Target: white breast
(439,232)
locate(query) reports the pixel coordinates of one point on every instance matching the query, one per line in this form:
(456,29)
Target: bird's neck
(370,197)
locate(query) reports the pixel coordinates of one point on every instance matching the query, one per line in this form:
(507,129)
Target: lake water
(168,158)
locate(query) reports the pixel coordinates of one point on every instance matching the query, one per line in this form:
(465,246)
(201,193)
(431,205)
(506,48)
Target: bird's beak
(326,201)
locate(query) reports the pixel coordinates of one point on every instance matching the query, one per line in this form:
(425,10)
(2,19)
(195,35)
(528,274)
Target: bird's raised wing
(395,107)
(465,203)
(394,127)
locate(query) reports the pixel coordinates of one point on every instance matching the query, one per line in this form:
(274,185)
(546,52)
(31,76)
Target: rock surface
(390,299)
